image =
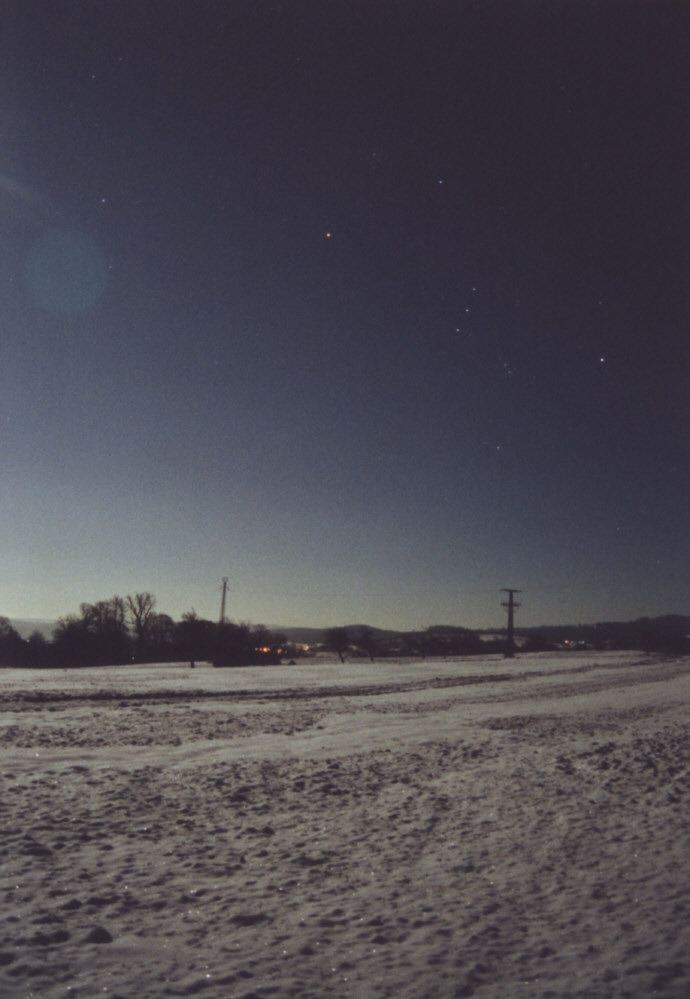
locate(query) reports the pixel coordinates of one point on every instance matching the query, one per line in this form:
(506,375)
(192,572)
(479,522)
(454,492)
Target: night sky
(372,307)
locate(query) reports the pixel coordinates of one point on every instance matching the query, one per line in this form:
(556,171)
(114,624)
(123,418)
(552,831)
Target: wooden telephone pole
(510,604)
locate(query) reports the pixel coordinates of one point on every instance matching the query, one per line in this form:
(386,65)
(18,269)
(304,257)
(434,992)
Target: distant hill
(667,630)
(315,636)
(27,625)
(671,631)
(300,636)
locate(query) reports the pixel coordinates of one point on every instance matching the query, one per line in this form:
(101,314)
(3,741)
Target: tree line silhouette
(668,634)
(362,641)
(129,629)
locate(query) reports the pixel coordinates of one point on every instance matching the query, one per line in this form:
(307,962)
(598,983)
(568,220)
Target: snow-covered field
(415,830)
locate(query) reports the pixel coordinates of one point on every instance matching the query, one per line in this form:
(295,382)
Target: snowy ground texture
(425,830)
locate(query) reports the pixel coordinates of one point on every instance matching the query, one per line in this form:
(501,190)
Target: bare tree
(365,639)
(196,637)
(337,640)
(10,643)
(141,608)
(105,616)
(161,636)
(98,637)
(37,649)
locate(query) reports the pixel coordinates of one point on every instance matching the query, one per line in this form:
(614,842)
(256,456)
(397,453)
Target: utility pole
(511,604)
(222,600)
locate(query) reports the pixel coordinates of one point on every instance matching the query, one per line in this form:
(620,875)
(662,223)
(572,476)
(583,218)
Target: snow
(419,830)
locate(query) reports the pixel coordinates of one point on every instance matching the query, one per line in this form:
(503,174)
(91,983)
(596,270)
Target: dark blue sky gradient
(374,308)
